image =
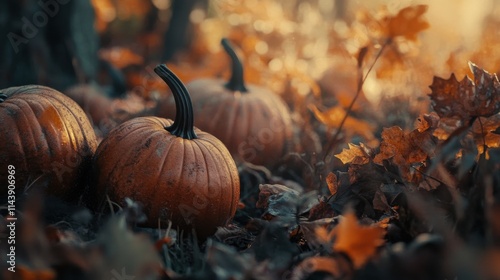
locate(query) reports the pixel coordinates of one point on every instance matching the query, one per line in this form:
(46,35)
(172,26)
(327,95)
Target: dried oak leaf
(407,149)
(397,144)
(359,242)
(407,23)
(467,98)
(354,155)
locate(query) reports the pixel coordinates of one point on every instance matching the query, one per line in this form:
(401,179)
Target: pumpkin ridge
(21,140)
(162,167)
(204,153)
(178,191)
(73,140)
(236,82)
(157,188)
(233,118)
(228,160)
(36,132)
(210,177)
(252,107)
(219,112)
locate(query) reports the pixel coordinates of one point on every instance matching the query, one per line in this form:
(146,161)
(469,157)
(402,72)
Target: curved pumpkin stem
(183,125)
(236,83)
(3,97)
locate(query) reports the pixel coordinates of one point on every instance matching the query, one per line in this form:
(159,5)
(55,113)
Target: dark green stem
(236,83)
(3,97)
(183,125)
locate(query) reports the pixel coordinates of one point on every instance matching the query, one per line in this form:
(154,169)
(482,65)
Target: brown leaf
(407,23)
(468,98)
(321,210)
(380,202)
(332,182)
(354,155)
(406,149)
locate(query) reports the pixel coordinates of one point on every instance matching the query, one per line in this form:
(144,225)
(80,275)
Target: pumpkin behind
(48,138)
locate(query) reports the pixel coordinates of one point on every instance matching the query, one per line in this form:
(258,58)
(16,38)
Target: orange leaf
(407,23)
(359,242)
(331,181)
(354,155)
(333,117)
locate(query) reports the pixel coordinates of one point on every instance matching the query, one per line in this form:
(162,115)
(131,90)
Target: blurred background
(64,42)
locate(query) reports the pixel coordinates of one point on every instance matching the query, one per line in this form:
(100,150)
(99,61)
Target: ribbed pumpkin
(175,170)
(48,139)
(253,122)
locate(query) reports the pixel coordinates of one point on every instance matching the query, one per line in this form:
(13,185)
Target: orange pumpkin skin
(255,126)
(48,138)
(175,171)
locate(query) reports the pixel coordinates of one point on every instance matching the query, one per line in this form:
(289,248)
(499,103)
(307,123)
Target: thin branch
(361,82)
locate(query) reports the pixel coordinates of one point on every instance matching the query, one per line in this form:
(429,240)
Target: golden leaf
(355,155)
(360,243)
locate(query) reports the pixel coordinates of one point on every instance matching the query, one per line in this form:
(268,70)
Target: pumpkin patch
(250,139)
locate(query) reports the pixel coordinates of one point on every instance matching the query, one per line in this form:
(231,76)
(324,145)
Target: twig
(361,82)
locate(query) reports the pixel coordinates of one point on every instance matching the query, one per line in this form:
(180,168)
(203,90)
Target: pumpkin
(105,112)
(47,139)
(93,102)
(173,169)
(253,122)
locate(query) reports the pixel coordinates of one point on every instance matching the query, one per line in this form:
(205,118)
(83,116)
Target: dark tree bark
(177,35)
(48,42)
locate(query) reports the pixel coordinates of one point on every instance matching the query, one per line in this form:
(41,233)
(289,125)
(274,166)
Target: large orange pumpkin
(47,139)
(175,170)
(253,122)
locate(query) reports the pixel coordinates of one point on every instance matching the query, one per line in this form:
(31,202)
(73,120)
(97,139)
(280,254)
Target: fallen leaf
(359,242)
(407,23)
(406,149)
(331,181)
(468,98)
(354,155)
